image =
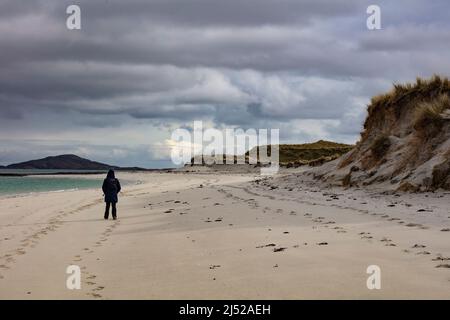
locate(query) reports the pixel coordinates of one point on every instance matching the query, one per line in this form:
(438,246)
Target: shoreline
(79,175)
(71,173)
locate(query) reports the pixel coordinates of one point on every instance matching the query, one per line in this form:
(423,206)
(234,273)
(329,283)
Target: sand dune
(226,236)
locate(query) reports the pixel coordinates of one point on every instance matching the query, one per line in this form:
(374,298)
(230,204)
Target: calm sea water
(28,184)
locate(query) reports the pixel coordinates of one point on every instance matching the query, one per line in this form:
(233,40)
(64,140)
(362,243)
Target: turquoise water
(27,184)
(46,171)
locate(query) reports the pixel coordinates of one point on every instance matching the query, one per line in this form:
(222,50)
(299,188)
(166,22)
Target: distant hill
(294,155)
(62,162)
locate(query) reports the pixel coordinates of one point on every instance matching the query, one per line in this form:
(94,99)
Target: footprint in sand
(266,246)
(440,258)
(388,242)
(413,225)
(423,253)
(424,210)
(99,288)
(214,266)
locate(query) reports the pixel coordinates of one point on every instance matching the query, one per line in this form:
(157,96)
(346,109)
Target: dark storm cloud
(259,34)
(308,67)
(192,12)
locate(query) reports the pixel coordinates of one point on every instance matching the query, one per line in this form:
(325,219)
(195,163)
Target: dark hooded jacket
(111,187)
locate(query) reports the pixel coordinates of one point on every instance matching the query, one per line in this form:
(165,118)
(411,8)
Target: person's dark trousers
(114,210)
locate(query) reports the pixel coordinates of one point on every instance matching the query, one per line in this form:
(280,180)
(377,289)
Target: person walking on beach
(111,187)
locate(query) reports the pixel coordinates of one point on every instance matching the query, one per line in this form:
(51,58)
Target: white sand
(150,253)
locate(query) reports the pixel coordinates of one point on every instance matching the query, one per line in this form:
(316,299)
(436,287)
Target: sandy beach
(225,236)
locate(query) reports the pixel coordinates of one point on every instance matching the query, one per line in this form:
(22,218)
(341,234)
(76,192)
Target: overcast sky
(114,90)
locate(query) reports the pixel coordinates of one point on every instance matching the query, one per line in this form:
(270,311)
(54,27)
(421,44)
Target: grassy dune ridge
(294,155)
(405,143)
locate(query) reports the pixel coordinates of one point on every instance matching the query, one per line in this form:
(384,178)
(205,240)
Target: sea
(35,181)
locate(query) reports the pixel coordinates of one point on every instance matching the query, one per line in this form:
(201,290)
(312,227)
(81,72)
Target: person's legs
(107,210)
(114,210)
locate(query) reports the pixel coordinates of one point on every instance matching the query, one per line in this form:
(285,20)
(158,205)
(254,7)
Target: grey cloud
(191,12)
(334,42)
(408,38)
(306,67)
